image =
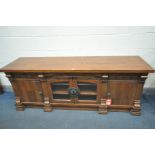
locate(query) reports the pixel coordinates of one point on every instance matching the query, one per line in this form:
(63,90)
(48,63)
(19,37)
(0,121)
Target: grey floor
(71,119)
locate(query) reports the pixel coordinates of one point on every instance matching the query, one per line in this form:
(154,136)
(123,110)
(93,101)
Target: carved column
(136,109)
(103,108)
(19,105)
(47,105)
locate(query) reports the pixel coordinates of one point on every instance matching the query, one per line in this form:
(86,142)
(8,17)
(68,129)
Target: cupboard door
(88,91)
(122,92)
(58,89)
(30,90)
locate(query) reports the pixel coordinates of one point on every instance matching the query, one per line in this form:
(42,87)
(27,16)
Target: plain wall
(75,41)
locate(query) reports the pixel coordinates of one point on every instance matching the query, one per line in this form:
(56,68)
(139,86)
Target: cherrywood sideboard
(102,83)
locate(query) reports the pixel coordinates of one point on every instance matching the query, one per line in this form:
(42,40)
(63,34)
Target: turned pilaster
(19,105)
(136,109)
(103,108)
(47,106)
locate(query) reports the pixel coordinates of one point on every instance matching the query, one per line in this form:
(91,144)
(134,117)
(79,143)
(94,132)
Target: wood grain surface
(91,64)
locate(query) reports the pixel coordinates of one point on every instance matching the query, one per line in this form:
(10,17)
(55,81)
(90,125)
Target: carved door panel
(30,90)
(58,89)
(122,92)
(74,90)
(88,91)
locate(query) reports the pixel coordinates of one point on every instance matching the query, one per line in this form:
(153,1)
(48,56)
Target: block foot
(47,105)
(20,108)
(136,110)
(19,105)
(48,109)
(103,107)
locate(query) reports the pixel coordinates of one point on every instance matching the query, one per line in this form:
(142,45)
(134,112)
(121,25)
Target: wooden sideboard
(109,83)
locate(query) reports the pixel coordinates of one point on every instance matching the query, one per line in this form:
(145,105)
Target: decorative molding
(105,78)
(143,78)
(40,75)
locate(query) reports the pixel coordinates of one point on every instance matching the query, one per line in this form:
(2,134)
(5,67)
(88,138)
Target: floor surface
(73,119)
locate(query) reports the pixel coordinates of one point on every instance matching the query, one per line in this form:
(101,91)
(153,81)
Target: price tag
(108,101)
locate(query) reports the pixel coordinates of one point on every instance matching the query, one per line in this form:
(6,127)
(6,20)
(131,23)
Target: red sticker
(108,101)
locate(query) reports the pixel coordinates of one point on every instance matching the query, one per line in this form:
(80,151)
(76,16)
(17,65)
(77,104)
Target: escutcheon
(73,92)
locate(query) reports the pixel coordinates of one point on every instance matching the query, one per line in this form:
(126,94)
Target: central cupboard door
(74,90)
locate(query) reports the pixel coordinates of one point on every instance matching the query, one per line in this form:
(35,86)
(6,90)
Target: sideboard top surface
(90,64)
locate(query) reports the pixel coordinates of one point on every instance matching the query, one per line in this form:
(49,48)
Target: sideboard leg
(136,110)
(19,105)
(103,107)
(47,105)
